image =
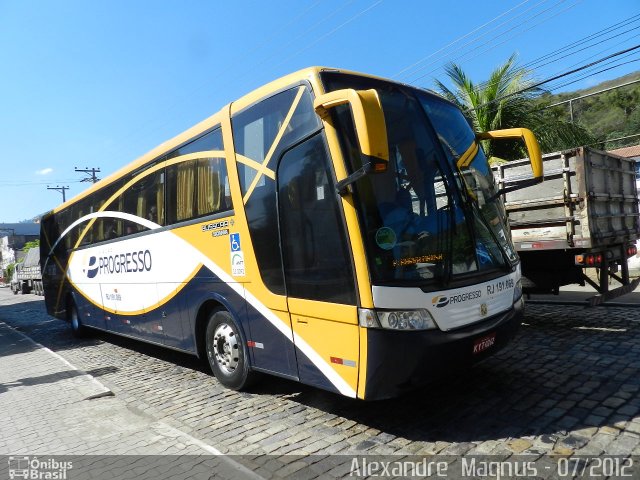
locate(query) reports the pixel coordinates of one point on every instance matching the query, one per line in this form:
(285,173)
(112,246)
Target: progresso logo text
(130,262)
(440,301)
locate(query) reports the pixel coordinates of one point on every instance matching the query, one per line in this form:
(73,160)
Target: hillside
(608,115)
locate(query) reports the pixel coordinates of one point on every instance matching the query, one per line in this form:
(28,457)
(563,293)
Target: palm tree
(510,98)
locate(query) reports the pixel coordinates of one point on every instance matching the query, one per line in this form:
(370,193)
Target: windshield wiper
(478,214)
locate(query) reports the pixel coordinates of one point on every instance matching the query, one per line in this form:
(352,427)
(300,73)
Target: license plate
(482,344)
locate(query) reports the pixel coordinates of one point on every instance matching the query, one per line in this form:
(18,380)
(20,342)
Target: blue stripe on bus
(179,327)
(311,375)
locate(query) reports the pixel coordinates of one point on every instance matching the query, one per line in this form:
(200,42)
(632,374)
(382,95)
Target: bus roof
(309,73)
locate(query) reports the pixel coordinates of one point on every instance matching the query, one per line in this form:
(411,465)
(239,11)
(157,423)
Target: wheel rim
(226,349)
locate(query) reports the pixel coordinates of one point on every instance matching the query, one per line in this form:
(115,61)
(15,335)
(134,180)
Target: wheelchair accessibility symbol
(234,238)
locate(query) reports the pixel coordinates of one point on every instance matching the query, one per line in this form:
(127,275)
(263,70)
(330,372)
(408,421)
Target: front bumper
(398,362)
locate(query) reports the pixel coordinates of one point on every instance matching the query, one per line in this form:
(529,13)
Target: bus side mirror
(370,127)
(533,149)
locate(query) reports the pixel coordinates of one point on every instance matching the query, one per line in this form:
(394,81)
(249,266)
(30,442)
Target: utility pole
(61,190)
(89,171)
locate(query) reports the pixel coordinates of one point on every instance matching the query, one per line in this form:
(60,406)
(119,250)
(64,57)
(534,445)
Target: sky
(98,84)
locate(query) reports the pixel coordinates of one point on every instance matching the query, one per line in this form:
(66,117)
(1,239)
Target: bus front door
(318,269)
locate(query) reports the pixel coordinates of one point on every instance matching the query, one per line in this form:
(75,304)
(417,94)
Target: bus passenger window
(197,188)
(211,177)
(110,227)
(145,200)
(207,142)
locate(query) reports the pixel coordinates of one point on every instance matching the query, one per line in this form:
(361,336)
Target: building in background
(13,236)
(632,152)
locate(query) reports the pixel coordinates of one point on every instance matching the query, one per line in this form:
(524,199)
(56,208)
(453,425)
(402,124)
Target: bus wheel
(77,329)
(226,352)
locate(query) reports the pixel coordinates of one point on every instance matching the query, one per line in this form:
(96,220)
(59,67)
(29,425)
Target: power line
(500,35)
(600,52)
(608,140)
(565,74)
(594,93)
(248,74)
(269,39)
(459,38)
(595,73)
(609,61)
(162,123)
(25,183)
(604,31)
(297,37)
(595,35)
(582,49)
(477,39)
(331,32)
(571,100)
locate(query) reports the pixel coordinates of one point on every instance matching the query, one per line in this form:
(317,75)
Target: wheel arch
(71,300)
(204,310)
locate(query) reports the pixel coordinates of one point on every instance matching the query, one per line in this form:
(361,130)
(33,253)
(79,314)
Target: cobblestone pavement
(49,407)
(569,383)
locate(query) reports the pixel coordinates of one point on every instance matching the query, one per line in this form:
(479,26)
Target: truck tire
(227,351)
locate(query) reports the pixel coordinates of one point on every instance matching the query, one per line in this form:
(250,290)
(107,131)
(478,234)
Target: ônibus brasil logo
(130,262)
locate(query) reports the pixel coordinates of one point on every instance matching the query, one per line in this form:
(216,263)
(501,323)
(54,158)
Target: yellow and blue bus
(333,228)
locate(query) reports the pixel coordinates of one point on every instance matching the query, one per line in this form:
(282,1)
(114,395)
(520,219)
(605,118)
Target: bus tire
(227,352)
(77,329)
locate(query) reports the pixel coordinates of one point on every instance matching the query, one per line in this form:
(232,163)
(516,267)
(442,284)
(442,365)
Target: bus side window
(209,141)
(211,181)
(145,200)
(197,188)
(269,127)
(78,212)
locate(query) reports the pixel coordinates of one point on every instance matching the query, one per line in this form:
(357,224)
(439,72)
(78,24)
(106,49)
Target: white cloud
(44,171)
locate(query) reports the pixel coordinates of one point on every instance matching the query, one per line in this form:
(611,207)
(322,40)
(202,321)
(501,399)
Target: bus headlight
(396,319)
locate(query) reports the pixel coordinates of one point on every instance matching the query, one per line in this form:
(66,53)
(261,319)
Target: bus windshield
(433,217)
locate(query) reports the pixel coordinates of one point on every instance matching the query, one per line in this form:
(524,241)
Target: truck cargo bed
(588,200)
(583,215)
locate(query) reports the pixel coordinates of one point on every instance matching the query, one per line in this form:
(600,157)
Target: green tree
(10,268)
(508,99)
(32,244)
